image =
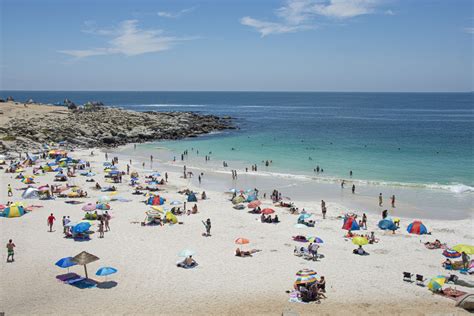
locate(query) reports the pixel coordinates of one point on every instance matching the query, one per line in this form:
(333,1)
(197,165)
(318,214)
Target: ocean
(398,139)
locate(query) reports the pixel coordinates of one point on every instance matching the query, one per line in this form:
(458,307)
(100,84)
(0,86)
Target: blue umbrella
(81,227)
(387,224)
(104,271)
(65,263)
(156,174)
(106,164)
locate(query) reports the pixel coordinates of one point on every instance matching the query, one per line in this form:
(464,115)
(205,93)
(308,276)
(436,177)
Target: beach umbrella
(436,283)
(83,259)
(65,262)
(417,227)
(89,207)
(315,239)
(468,249)
(241,241)
(304,216)
(360,241)
(156,174)
(305,276)
(104,271)
(107,164)
(267,211)
(186,253)
(450,253)
(81,227)
(176,203)
(254,204)
(305,272)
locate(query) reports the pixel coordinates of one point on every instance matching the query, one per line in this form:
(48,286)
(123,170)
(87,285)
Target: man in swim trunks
(51,220)
(10,251)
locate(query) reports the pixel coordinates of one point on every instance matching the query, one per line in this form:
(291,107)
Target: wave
(456,188)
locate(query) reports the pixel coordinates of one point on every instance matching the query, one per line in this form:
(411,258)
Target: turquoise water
(405,139)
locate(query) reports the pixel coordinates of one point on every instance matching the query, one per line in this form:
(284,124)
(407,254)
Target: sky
(289,45)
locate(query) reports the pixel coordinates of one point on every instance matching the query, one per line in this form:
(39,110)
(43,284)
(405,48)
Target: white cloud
(298,15)
(469,30)
(167,14)
(389,12)
(127,39)
(266,28)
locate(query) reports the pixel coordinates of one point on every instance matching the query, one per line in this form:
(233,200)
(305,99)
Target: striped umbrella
(417,227)
(436,283)
(306,272)
(451,253)
(315,239)
(305,276)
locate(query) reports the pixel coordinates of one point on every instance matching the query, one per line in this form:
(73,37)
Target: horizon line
(242,91)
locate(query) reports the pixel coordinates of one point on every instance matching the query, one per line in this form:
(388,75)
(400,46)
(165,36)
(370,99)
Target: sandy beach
(148,281)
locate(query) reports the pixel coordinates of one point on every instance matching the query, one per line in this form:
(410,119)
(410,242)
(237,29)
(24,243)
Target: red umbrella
(267,211)
(254,204)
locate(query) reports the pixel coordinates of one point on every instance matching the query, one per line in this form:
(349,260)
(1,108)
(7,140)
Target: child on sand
(10,251)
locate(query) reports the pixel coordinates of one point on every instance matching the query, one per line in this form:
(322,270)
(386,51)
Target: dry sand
(148,281)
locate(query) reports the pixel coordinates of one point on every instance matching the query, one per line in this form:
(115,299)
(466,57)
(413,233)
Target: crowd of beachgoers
(88,196)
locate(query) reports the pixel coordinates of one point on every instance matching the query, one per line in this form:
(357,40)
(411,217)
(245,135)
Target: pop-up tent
(192,197)
(30,193)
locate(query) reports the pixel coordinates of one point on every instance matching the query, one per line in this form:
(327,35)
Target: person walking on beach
(10,251)
(199,179)
(151,158)
(393,201)
(353,189)
(207,225)
(342,184)
(106,156)
(10,191)
(106,221)
(323,208)
(364,221)
(380,199)
(51,220)
(101,229)
(166,176)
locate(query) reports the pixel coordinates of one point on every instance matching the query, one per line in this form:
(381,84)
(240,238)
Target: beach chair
(407,277)
(420,280)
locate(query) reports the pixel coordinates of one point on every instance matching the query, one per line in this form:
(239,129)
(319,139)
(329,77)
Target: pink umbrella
(267,211)
(89,207)
(254,204)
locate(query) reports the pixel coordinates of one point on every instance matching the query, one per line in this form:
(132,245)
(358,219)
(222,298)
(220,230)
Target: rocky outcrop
(104,127)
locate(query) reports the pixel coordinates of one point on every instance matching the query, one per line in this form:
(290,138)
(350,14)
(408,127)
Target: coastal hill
(27,126)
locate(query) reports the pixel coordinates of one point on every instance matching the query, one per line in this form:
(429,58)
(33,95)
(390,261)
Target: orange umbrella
(241,241)
(254,204)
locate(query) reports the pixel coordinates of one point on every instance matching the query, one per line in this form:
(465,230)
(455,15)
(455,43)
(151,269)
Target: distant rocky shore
(26,127)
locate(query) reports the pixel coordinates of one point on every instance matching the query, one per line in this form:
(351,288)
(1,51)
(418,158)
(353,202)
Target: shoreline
(307,189)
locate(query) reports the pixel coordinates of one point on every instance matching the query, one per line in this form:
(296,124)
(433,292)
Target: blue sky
(289,45)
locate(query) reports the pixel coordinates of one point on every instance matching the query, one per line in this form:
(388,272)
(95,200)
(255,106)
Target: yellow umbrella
(360,241)
(468,249)
(436,283)
(158,208)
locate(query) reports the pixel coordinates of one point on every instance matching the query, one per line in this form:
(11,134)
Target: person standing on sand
(342,184)
(166,176)
(51,220)
(465,260)
(323,208)
(151,158)
(10,251)
(380,199)
(364,221)
(199,179)
(106,156)
(101,229)
(353,189)
(10,191)
(106,221)
(207,224)
(393,201)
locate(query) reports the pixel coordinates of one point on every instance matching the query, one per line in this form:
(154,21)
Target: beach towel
(451,293)
(67,277)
